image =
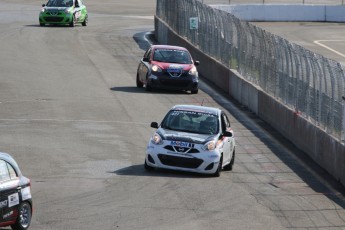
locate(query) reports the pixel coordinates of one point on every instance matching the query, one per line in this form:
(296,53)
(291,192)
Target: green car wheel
(84,23)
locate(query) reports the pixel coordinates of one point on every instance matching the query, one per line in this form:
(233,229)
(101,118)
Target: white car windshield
(191,121)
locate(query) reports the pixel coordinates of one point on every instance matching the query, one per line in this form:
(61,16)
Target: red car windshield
(172,56)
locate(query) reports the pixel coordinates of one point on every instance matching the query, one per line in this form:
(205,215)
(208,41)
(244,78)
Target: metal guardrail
(237,2)
(309,83)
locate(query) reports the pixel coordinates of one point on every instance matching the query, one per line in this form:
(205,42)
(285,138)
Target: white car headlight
(193,71)
(211,145)
(155,68)
(43,10)
(156,139)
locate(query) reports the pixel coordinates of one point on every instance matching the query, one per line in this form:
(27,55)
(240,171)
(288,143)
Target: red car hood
(165,65)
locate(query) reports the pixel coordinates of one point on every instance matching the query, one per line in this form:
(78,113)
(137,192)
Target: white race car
(192,138)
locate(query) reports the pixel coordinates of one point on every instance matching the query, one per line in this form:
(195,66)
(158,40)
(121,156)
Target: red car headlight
(193,71)
(156,68)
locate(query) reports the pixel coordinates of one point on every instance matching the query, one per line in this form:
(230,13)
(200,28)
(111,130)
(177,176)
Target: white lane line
(95,15)
(87,121)
(318,42)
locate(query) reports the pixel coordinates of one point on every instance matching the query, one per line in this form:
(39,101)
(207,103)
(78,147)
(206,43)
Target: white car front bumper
(196,160)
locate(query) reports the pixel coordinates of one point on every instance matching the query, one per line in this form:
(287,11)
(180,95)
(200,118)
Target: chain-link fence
(309,83)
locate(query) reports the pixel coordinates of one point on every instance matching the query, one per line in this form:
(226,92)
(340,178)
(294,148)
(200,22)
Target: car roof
(7,157)
(168,47)
(199,108)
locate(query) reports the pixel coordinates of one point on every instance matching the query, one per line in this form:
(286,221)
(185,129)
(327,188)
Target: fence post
(343,131)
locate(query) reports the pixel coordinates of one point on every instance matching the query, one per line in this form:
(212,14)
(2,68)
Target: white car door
(228,141)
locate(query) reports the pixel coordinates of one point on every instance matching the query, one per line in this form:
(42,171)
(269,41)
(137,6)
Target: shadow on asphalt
(52,26)
(34,25)
(134,89)
(139,170)
(128,89)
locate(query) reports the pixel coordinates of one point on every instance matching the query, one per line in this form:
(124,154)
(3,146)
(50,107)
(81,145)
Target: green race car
(63,12)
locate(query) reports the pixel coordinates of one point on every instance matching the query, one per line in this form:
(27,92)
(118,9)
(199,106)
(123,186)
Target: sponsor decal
(175,70)
(13,200)
(26,193)
(77,14)
(212,156)
(181,144)
(7,215)
(192,112)
(3,203)
(174,66)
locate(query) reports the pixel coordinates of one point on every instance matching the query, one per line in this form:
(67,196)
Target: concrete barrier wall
(281,12)
(322,148)
(243,91)
(335,13)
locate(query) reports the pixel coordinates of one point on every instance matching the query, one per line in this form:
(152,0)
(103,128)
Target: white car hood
(168,134)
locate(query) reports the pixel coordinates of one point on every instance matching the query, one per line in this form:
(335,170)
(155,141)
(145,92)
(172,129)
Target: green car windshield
(60,3)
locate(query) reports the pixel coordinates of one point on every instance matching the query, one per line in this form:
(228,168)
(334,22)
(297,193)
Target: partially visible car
(192,138)
(15,195)
(63,12)
(168,67)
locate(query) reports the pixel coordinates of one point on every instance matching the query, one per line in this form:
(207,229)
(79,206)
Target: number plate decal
(180,144)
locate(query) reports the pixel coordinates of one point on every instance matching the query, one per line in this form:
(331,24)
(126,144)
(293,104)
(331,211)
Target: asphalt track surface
(71,116)
(322,38)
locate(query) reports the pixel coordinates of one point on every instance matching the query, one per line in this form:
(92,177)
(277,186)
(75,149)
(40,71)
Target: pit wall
(322,148)
(281,12)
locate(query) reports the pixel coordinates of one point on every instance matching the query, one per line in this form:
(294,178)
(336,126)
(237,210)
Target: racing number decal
(77,14)
(13,200)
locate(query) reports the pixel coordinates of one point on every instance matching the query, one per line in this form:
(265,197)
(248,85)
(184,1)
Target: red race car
(168,67)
